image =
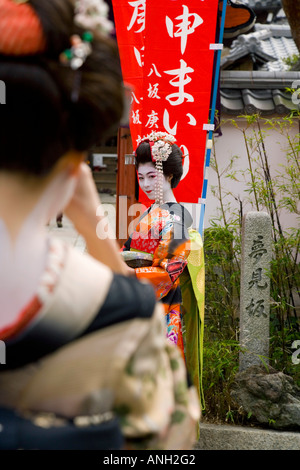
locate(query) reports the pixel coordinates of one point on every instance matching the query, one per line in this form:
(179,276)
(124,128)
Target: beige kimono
(124,366)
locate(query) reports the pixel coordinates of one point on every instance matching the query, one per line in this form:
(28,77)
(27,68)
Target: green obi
(192,283)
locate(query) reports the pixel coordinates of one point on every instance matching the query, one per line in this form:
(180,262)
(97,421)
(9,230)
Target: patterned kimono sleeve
(169,261)
(156,406)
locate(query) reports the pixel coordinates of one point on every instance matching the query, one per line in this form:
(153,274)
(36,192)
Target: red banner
(130,31)
(166,57)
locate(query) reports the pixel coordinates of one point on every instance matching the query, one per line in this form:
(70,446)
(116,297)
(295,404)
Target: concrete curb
(226,437)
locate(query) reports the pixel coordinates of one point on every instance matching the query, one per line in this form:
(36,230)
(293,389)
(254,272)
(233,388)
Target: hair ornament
(79,51)
(160,148)
(21,30)
(75,57)
(93,15)
(161,145)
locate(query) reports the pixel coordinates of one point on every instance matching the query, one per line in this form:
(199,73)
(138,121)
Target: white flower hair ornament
(161,145)
(160,148)
(93,15)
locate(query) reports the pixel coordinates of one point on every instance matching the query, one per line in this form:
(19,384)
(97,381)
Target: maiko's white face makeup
(147,175)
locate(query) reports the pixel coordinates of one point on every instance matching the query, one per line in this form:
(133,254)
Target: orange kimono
(163,232)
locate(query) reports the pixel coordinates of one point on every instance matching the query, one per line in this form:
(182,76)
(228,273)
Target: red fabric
(23,319)
(173,86)
(21,30)
(155,234)
(130,37)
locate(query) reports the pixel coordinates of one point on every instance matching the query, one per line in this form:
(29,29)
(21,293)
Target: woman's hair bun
(39,92)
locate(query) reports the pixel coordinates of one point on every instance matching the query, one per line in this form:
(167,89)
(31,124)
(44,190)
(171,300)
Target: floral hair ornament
(80,49)
(21,30)
(160,147)
(93,15)
(75,57)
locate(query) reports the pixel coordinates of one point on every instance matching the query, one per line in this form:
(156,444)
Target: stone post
(255,289)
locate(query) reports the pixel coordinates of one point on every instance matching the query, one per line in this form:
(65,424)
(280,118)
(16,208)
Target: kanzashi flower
(162,144)
(161,150)
(93,15)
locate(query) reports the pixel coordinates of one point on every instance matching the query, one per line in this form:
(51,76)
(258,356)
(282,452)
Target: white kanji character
(185,28)
(134,98)
(154,69)
(153,91)
(192,121)
(166,121)
(136,117)
(186,161)
(180,80)
(139,55)
(152,121)
(138,15)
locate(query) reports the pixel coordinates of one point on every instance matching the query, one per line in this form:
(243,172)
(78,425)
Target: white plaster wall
(231,143)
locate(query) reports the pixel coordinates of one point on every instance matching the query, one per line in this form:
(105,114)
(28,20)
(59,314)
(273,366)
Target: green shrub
(222,250)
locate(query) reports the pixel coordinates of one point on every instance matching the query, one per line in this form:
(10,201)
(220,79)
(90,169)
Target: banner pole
(212,118)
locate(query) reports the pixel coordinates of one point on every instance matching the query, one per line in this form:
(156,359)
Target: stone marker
(255,289)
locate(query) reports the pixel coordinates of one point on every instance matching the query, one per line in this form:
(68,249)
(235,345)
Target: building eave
(264,93)
(258,79)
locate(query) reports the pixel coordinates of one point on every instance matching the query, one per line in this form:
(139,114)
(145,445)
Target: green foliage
(281,352)
(222,276)
(275,195)
(291,60)
(220,359)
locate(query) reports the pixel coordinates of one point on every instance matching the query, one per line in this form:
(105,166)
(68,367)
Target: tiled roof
(264,101)
(270,44)
(263,5)
(280,17)
(262,90)
(253,101)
